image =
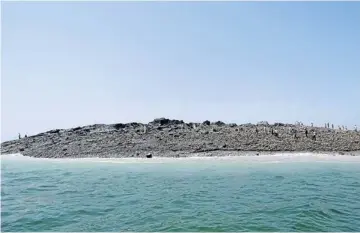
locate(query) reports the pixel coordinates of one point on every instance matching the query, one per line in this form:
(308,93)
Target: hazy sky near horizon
(71,64)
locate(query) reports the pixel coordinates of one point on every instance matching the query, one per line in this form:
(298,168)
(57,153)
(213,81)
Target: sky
(78,63)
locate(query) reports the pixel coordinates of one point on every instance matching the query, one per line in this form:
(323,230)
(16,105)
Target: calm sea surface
(278,193)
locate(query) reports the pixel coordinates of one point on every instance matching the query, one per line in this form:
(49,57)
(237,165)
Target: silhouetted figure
(306,132)
(25,135)
(328,125)
(19,136)
(332,126)
(272,131)
(314,136)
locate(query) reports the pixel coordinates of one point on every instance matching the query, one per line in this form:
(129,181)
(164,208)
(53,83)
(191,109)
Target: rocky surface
(174,138)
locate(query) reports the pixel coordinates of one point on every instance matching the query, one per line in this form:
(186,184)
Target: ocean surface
(263,193)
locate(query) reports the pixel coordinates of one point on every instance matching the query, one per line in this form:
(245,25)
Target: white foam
(273,158)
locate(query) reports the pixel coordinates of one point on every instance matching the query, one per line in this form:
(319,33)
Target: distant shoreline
(175,138)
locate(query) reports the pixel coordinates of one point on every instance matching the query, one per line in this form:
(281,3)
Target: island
(175,138)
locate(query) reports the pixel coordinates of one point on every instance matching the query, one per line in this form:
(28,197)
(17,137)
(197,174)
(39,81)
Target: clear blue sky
(71,64)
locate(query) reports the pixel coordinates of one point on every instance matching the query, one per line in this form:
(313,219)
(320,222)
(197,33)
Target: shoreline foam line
(273,158)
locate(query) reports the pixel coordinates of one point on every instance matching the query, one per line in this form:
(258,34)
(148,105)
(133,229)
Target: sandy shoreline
(199,157)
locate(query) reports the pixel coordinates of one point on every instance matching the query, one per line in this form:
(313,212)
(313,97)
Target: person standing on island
(19,136)
(314,136)
(306,132)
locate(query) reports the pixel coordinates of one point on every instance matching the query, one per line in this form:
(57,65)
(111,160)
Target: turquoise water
(257,194)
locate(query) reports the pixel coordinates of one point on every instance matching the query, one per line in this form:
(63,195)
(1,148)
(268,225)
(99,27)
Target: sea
(270,193)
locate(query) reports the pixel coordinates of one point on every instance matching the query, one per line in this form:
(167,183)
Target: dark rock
(279,124)
(54,131)
(219,123)
(119,126)
(232,125)
(149,156)
(161,121)
(176,122)
(21,149)
(206,123)
(133,124)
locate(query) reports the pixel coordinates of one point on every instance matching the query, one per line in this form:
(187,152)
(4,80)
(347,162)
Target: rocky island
(175,138)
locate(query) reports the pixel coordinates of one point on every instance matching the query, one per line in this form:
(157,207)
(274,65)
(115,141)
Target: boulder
(219,123)
(149,155)
(206,123)
(54,131)
(133,124)
(176,122)
(119,126)
(161,121)
(279,124)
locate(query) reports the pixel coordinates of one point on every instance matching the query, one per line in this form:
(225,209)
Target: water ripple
(181,197)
